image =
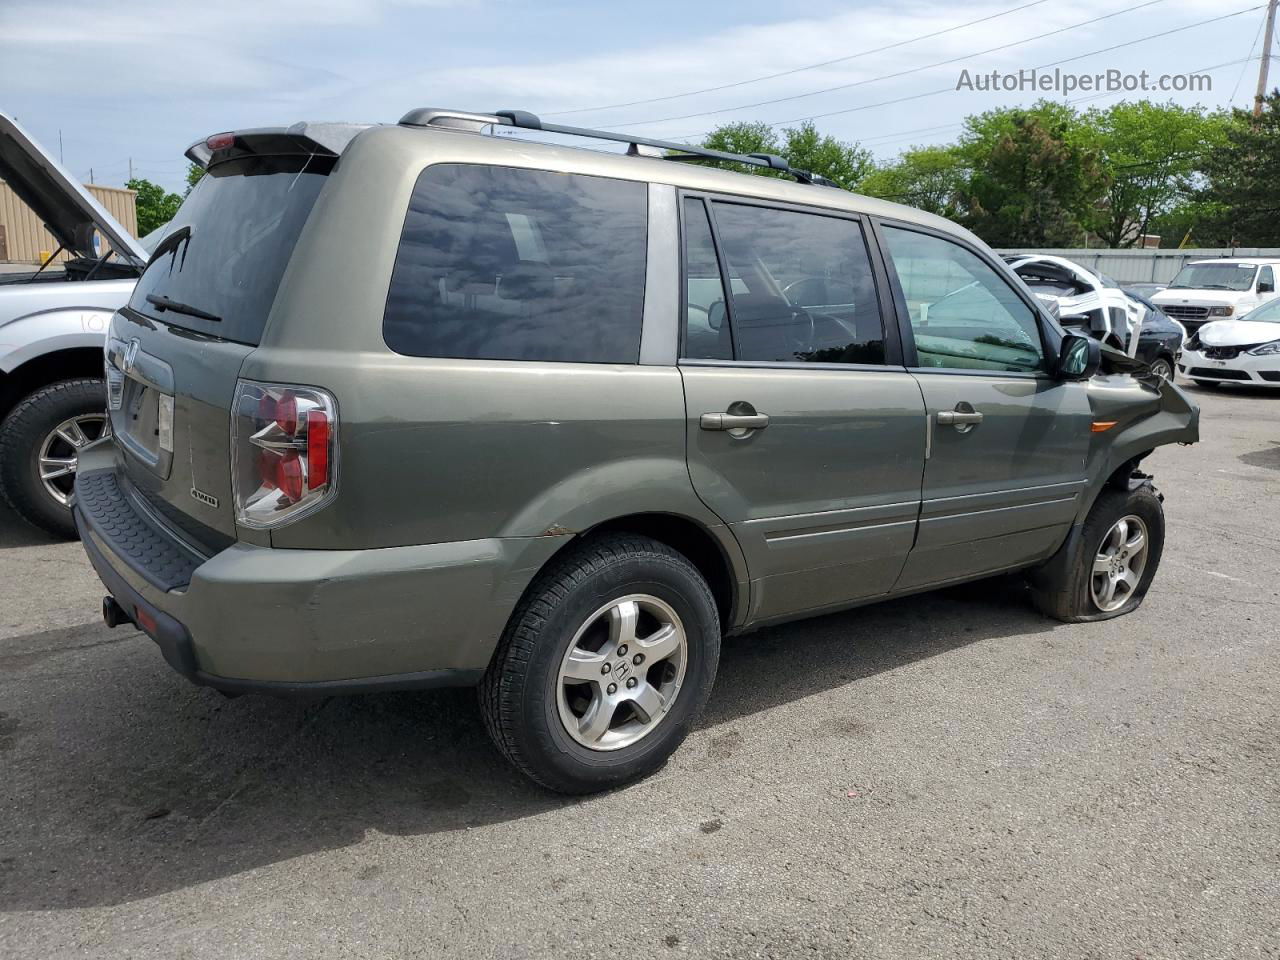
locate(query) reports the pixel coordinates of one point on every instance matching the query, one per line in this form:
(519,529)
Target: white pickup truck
(1208,290)
(53,323)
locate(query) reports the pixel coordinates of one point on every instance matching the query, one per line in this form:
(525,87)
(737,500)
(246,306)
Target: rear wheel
(1106,568)
(604,666)
(40,444)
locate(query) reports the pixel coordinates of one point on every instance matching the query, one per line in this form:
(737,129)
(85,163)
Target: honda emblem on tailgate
(131,355)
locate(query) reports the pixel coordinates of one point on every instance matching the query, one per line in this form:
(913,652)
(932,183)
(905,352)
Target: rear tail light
(283,452)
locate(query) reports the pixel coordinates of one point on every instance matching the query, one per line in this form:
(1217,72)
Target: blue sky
(144,80)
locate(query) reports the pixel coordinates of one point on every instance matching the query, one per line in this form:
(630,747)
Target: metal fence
(1148,266)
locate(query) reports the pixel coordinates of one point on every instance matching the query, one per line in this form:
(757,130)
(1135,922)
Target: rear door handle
(733,421)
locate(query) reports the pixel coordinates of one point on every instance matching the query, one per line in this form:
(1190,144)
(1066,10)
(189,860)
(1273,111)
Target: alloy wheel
(1118,564)
(59,453)
(622,672)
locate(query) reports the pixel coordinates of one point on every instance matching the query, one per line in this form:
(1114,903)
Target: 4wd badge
(204,498)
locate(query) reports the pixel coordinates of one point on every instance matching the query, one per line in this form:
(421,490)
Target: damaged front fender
(1148,412)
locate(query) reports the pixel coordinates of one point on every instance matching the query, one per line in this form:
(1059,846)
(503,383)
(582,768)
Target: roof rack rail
(680,152)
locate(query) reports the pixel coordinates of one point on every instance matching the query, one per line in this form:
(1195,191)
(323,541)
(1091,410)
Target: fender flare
(49,331)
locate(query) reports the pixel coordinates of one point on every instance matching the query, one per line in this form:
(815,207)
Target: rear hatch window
(217,269)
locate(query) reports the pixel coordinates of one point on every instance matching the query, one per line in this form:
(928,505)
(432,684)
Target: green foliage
(194,173)
(1034,176)
(155,207)
(803,147)
(928,178)
(1239,200)
(1152,153)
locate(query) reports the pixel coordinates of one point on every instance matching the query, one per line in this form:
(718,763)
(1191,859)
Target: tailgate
(201,306)
(170,395)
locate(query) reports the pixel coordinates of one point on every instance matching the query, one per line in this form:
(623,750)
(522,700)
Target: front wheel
(1105,569)
(604,665)
(40,444)
(1161,367)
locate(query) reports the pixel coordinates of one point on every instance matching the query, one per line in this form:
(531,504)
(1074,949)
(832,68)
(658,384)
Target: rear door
(1007,441)
(805,433)
(200,307)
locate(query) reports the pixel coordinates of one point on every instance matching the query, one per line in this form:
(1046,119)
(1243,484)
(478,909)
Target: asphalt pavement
(950,775)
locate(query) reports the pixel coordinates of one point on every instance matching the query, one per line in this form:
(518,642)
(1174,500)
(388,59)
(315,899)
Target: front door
(1007,441)
(802,436)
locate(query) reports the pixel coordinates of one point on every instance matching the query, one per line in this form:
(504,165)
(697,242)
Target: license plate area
(140,397)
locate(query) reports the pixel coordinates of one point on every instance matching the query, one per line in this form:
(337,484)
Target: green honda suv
(412,405)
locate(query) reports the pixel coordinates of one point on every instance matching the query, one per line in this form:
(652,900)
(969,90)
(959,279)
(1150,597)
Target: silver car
(53,324)
(409,405)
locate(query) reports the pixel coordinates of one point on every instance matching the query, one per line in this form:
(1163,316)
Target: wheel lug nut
(606,668)
(613,688)
(622,650)
(638,659)
(631,683)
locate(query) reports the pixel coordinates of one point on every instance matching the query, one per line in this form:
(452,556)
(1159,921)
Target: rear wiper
(177,306)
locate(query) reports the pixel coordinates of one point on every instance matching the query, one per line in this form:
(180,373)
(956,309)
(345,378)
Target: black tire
(518,695)
(1062,588)
(1162,366)
(21,435)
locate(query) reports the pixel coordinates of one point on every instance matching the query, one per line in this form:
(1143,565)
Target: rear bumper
(310,621)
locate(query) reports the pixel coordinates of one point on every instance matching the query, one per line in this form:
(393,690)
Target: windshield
(1269,312)
(1215,276)
(220,260)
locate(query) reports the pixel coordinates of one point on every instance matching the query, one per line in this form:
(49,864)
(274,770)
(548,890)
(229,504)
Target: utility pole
(91,175)
(131,168)
(1268,39)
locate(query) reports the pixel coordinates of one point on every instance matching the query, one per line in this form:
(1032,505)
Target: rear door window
(800,286)
(224,253)
(501,263)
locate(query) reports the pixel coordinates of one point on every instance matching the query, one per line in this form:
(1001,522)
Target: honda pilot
(414,405)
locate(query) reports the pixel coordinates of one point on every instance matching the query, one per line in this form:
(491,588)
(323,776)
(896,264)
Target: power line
(895,75)
(795,70)
(1045,66)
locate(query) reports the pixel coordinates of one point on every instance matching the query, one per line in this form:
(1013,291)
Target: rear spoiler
(301,139)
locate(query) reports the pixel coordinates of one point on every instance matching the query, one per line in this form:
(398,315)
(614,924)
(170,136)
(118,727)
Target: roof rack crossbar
(681,152)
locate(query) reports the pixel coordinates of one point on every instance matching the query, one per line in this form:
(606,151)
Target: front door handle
(950,418)
(733,421)
(964,418)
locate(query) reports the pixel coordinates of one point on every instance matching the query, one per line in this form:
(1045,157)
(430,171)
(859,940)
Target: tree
(1035,176)
(1239,198)
(929,178)
(194,173)
(155,207)
(1151,153)
(804,148)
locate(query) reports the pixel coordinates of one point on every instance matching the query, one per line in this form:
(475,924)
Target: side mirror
(1264,287)
(1079,358)
(716,314)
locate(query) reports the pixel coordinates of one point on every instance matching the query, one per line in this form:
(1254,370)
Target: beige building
(23,238)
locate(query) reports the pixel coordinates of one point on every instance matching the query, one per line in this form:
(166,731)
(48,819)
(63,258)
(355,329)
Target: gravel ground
(944,776)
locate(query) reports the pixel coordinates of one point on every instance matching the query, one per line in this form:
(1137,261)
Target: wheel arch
(66,362)
(712,551)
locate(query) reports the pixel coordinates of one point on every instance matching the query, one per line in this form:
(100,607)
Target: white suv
(1218,289)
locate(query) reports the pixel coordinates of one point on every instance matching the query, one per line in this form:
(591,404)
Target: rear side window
(800,287)
(500,263)
(224,253)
